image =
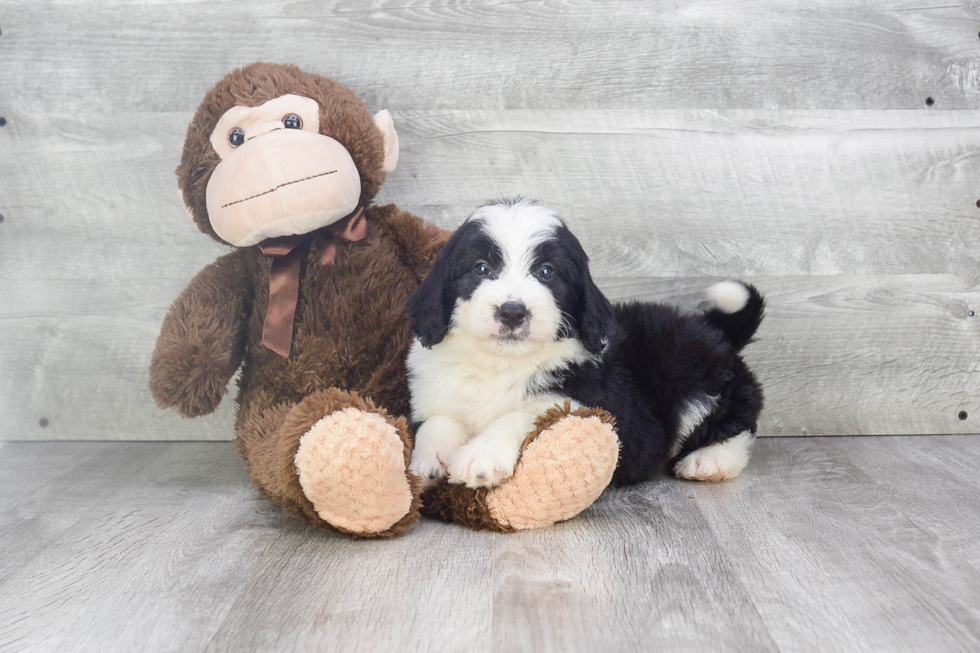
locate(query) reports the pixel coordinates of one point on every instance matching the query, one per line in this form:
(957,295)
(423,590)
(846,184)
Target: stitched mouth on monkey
(272,190)
(284,183)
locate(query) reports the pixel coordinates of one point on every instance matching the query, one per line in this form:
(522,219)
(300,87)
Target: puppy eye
(236,136)
(545,272)
(482,269)
(292,121)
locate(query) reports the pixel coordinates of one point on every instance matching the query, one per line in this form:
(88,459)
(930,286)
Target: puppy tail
(737,310)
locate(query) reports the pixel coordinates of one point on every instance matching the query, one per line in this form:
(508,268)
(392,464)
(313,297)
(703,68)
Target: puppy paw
(717,462)
(438,438)
(427,465)
(482,464)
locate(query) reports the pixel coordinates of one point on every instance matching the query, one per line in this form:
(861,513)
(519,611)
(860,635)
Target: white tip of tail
(728,296)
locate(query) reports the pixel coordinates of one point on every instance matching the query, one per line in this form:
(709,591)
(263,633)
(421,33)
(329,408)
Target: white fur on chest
(460,378)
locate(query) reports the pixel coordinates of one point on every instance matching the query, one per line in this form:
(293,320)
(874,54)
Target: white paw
(426,464)
(717,462)
(437,440)
(482,464)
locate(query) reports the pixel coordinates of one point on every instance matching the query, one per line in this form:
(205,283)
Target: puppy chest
(472,395)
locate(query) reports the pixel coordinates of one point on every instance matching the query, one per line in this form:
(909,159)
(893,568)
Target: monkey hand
(202,341)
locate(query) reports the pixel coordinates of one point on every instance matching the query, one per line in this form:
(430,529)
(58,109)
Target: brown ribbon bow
(287,253)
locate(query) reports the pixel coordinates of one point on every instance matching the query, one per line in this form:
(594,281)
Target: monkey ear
(387,126)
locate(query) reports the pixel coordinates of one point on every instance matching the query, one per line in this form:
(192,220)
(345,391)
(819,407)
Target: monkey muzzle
(282,183)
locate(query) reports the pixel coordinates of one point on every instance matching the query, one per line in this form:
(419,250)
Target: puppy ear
(431,305)
(596,318)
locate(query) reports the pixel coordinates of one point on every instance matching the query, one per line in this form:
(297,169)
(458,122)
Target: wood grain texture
(860,227)
(823,544)
(707,192)
(782,193)
(857,521)
(488,54)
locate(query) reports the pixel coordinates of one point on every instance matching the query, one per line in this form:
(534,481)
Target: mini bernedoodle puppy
(509,323)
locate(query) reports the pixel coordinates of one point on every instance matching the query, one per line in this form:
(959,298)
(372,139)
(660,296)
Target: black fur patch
(588,314)
(453,277)
(657,361)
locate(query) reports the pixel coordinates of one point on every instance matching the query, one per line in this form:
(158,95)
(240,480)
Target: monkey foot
(565,465)
(352,468)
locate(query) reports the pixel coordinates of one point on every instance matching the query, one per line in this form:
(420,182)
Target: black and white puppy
(509,323)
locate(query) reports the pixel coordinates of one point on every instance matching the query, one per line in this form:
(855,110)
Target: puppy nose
(512,313)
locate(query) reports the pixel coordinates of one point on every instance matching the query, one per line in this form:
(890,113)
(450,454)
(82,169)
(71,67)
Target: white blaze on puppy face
(518,230)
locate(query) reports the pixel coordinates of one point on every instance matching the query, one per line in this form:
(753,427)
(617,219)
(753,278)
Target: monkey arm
(419,241)
(202,340)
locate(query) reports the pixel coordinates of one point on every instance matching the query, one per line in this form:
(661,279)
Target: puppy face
(514,278)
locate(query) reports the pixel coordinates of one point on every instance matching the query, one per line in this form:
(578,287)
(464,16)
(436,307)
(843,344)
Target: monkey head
(274,151)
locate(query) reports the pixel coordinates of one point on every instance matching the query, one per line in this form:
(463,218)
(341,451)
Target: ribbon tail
(287,253)
(277,330)
(328,251)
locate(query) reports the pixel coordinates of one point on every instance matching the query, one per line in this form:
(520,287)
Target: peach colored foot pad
(560,474)
(351,466)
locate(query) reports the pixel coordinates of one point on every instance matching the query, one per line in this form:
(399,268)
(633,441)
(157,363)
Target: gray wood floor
(825,544)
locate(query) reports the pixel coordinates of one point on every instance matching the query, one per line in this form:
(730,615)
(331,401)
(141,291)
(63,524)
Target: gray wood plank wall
(786,143)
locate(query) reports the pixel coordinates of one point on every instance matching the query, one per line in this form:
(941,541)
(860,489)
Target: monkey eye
(482,269)
(236,136)
(292,121)
(545,272)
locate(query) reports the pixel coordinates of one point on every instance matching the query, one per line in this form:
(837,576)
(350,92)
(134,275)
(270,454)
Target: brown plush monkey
(311,302)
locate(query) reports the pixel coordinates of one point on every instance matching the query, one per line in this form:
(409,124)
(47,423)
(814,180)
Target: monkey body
(275,162)
(361,308)
(357,359)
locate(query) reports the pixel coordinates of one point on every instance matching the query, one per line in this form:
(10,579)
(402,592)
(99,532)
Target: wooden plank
(76,366)
(854,540)
(843,355)
(665,193)
(859,226)
(829,544)
(76,476)
(548,54)
(150,562)
(101,200)
(836,355)
(317,592)
(674,193)
(639,571)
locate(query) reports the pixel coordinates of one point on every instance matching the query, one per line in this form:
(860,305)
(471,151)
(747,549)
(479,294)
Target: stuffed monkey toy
(311,304)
